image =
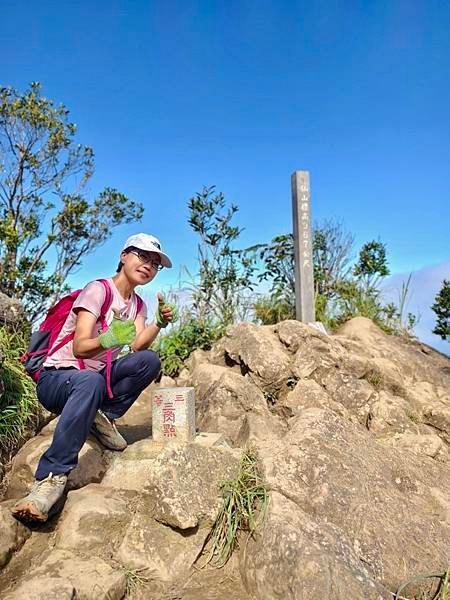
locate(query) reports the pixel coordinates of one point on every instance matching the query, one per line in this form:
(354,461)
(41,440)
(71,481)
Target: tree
(47,225)
(372,264)
(332,247)
(441,307)
(225,273)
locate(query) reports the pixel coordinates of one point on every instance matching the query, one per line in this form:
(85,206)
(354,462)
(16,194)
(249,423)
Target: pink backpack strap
(139,304)
(104,311)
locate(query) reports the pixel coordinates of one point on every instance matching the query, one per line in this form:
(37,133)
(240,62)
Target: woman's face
(140,266)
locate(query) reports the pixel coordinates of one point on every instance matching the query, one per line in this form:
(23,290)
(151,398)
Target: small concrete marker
(173,414)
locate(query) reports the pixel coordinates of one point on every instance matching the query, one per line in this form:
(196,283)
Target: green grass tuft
(135,579)
(19,406)
(245,501)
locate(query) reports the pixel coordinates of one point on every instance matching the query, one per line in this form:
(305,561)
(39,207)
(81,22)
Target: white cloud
(425,284)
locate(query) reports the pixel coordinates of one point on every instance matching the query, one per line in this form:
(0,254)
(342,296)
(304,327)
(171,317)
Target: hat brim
(165,260)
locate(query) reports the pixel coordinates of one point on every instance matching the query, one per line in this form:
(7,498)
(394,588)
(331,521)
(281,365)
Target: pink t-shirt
(91,298)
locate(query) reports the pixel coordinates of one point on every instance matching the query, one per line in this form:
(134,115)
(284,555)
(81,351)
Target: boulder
(62,571)
(166,555)
(308,394)
(223,400)
(428,445)
(439,417)
(304,560)
(294,334)
(131,469)
(12,533)
(256,428)
(44,588)
(91,466)
(258,351)
(380,498)
(94,520)
(184,484)
(389,413)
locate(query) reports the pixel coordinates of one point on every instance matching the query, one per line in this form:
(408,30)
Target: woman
(84,381)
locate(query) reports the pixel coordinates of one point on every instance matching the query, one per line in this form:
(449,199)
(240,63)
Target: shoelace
(49,482)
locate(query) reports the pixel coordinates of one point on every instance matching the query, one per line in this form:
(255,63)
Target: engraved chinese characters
(173,414)
(304,278)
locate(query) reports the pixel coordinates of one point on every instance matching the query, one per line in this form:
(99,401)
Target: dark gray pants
(76,395)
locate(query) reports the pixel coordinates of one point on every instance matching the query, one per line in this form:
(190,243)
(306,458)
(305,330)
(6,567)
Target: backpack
(42,342)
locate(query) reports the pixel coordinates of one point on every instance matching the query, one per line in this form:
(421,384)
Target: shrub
(19,407)
(271,309)
(175,347)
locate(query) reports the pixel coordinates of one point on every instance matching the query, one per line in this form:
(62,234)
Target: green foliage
(356,300)
(278,267)
(135,579)
(341,291)
(43,212)
(270,309)
(441,307)
(19,406)
(371,264)
(225,273)
(191,334)
(245,501)
(332,247)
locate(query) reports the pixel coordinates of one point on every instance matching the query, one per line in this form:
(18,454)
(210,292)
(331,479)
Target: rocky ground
(352,432)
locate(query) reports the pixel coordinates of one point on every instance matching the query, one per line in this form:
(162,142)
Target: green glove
(161,317)
(118,334)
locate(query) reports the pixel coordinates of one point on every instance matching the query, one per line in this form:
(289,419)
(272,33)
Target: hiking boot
(43,496)
(106,432)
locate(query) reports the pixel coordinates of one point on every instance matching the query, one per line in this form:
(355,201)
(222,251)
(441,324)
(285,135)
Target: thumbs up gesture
(166,312)
(119,333)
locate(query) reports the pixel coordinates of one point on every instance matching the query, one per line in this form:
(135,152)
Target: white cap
(144,241)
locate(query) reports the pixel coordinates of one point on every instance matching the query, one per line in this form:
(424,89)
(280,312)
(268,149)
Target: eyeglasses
(144,258)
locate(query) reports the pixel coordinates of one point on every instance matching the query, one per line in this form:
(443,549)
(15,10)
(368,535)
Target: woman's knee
(91,382)
(150,362)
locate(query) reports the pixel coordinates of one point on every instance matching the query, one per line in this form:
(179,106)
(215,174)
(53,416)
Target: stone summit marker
(304,273)
(173,414)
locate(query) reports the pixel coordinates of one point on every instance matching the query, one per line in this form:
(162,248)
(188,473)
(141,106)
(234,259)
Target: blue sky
(176,95)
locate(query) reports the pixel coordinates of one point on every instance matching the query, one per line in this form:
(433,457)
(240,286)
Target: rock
(307,394)
(427,445)
(94,520)
(11,310)
(317,352)
(184,484)
(211,440)
(92,579)
(184,378)
(256,428)
(259,352)
(389,413)
(165,554)
(294,334)
(131,469)
(304,560)
(379,497)
(439,417)
(136,423)
(224,398)
(90,469)
(362,330)
(198,357)
(12,533)
(44,588)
